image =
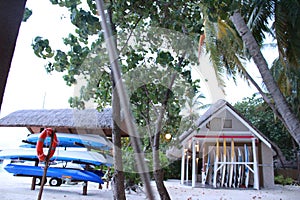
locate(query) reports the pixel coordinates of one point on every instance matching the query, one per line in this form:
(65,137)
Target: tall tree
(258,14)
(143,31)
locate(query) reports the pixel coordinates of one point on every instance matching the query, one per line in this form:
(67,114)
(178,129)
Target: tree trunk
(289,118)
(118,177)
(11,15)
(157,170)
(161,188)
(280,155)
(124,101)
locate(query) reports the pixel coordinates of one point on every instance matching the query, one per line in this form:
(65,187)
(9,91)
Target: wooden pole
(124,100)
(85,186)
(34,178)
(45,169)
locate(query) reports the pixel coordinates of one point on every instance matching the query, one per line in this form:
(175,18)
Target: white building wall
(267,166)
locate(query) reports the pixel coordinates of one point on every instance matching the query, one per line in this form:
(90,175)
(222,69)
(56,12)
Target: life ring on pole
(40,144)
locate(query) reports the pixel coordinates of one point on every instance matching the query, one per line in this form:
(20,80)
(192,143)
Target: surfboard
(210,170)
(231,165)
(224,165)
(215,173)
(227,168)
(61,173)
(84,157)
(239,175)
(234,177)
(207,168)
(246,168)
(89,141)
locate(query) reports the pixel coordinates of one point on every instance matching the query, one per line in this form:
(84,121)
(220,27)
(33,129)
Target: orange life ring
(40,144)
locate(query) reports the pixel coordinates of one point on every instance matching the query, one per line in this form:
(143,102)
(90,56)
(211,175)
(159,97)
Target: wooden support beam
(84,189)
(34,178)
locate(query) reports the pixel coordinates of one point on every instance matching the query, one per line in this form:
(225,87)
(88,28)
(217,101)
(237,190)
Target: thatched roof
(64,120)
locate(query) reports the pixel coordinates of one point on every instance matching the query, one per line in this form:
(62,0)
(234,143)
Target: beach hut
(226,150)
(88,121)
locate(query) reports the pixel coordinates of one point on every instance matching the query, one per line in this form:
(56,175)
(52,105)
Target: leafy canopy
(155,40)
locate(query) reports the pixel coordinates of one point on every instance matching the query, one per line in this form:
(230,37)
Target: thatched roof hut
(63,120)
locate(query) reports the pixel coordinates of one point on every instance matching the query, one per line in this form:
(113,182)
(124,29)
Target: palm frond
(287,28)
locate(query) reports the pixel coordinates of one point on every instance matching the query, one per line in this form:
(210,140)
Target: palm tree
(258,13)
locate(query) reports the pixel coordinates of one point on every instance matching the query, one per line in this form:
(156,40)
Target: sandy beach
(18,188)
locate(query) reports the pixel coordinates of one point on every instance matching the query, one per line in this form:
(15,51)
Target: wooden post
(182,165)
(84,189)
(34,178)
(46,168)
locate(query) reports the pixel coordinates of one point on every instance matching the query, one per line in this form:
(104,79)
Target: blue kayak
(61,173)
(90,141)
(84,157)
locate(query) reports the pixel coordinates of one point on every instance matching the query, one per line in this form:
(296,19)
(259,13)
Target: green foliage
(27,14)
(222,41)
(262,117)
(41,48)
(288,80)
(129,166)
(171,169)
(280,179)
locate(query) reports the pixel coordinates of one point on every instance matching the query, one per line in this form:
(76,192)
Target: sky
(30,87)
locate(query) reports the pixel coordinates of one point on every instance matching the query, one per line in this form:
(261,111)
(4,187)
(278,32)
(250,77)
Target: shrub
(280,179)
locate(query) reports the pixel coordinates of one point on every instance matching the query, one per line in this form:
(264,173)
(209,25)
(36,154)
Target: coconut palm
(257,13)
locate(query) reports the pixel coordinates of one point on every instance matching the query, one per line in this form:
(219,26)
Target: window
(227,123)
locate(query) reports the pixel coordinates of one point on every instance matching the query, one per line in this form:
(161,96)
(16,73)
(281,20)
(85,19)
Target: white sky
(28,85)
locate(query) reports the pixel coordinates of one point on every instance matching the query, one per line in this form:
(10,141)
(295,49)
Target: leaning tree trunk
(124,101)
(280,155)
(118,178)
(288,117)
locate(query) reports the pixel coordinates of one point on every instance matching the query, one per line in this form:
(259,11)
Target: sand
(18,188)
